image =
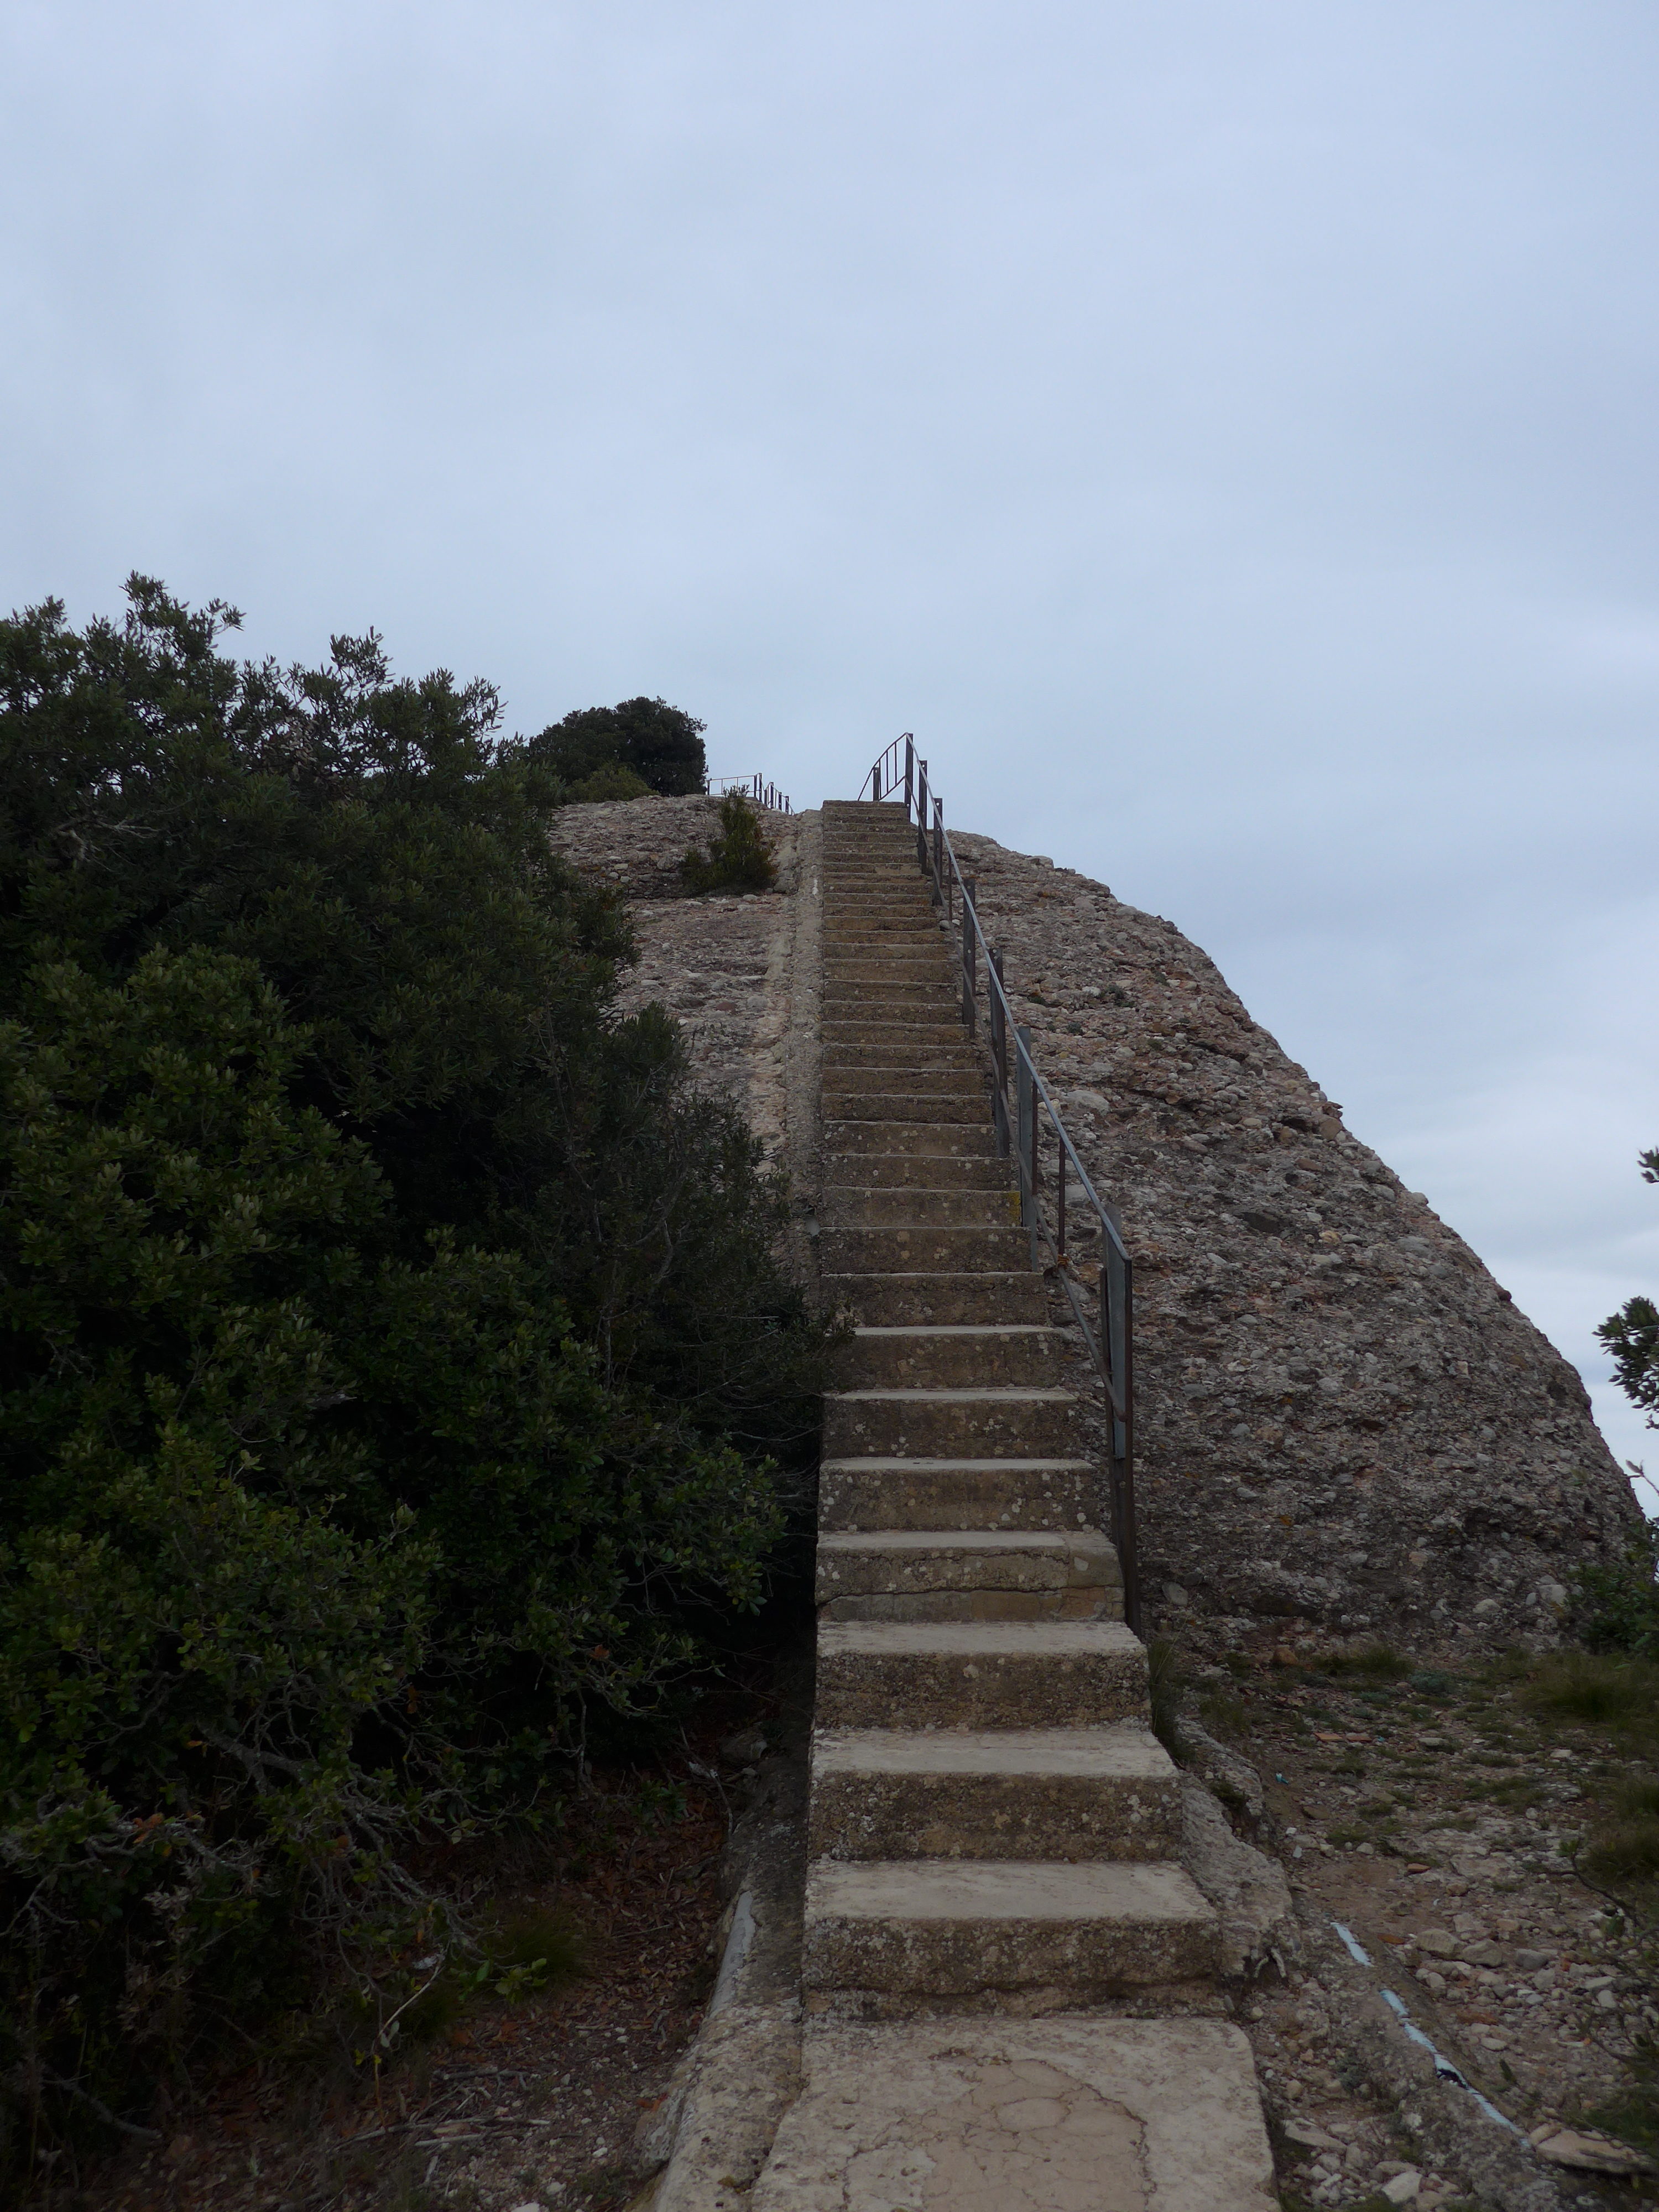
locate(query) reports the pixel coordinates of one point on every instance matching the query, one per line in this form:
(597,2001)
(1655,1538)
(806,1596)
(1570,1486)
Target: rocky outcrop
(1343,1419)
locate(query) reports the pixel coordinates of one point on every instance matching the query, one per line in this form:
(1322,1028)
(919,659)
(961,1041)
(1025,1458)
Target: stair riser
(957,1497)
(948,1428)
(924,1690)
(866,1816)
(905,1106)
(902,1056)
(951,1362)
(1071,1962)
(875,975)
(923,1251)
(845,1139)
(914,1171)
(954,1608)
(895,1001)
(844,1087)
(1048,1569)
(910,1206)
(941,1300)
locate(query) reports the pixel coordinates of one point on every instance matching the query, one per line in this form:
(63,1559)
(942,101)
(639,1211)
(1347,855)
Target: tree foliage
(1631,1334)
(737,858)
(394,1367)
(660,744)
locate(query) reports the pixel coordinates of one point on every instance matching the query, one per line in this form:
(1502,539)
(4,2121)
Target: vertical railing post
(1060,1202)
(921,816)
(1025,1118)
(938,852)
(970,959)
(909,772)
(999,1054)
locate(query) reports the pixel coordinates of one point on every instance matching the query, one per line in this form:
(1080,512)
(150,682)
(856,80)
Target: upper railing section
(900,775)
(751,786)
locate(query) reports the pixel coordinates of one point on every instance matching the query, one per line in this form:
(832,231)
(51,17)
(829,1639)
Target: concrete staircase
(994,1826)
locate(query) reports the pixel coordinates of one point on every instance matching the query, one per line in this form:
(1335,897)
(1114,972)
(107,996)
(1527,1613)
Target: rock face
(1343,1421)
(1342,1418)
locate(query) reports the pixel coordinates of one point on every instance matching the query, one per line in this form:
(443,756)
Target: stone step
(845,1139)
(845,1205)
(1089,1793)
(908,1106)
(842,1086)
(963,1358)
(1021,2114)
(979,1675)
(876,975)
(1029,1424)
(941,1300)
(893,1000)
(978,1574)
(1081,1933)
(928,1032)
(919,1250)
(901,1056)
(931,1171)
(957,1493)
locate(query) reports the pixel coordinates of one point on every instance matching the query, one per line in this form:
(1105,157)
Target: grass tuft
(1376,1662)
(1586,1685)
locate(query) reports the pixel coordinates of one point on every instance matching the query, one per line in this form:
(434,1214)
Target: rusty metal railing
(900,773)
(751,786)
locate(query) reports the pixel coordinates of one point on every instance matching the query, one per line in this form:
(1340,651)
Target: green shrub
(660,744)
(612,781)
(1584,1685)
(1617,1606)
(1374,1662)
(736,860)
(397,1387)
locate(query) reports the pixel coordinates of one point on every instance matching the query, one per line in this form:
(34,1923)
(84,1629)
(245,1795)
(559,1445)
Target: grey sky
(1225,434)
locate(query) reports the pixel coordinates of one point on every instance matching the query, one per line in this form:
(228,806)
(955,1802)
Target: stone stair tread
(1000,1393)
(1074,1543)
(1121,2114)
(979,1639)
(1118,1890)
(1116,1750)
(880,1463)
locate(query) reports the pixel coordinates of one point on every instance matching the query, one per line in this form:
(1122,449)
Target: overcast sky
(1224,433)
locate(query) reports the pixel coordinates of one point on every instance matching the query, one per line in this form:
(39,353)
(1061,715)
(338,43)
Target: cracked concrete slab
(1061,2115)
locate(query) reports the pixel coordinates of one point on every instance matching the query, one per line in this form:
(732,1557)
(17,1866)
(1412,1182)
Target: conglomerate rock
(1342,1420)
(1342,1417)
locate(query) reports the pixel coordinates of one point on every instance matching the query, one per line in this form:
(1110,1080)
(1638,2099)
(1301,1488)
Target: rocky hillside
(1343,1418)
(1344,1421)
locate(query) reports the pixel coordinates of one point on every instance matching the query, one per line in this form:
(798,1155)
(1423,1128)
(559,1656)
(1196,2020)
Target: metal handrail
(899,770)
(752,786)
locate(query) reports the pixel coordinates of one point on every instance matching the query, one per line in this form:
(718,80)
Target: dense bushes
(393,1364)
(658,747)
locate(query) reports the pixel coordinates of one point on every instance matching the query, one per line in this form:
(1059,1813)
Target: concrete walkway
(1008,1976)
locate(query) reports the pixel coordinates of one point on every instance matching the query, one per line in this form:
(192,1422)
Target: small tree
(736,860)
(660,743)
(1631,1334)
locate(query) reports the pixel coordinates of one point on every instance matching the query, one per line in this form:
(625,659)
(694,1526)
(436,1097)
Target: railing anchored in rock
(752,786)
(899,774)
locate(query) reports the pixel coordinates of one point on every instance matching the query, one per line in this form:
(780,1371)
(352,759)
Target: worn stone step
(918,1249)
(902,1054)
(928,1032)
(977,1574)
(957,1493)
(1089,1793)
(1080,1932)
(916,1172)
(942,1109)
(842,1086)
(941,1299)
(914,1205)
(844,1137)
(893,998)
(872,974)
(946,1357)
(951,1424)
(1062,2113)
(979,1675)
